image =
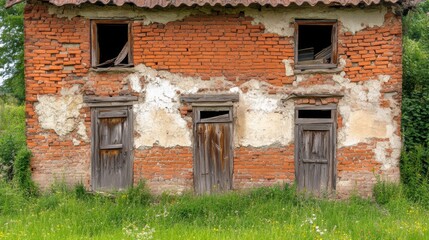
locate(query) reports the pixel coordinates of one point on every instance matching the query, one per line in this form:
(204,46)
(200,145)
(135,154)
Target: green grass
(266,213)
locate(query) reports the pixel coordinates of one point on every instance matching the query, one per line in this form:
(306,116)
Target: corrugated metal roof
(177,3)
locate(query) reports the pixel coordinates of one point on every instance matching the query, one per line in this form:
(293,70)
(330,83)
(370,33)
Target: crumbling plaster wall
(259,115)
(276,20)
(264,116)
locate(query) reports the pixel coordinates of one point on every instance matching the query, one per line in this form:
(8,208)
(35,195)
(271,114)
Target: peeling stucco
(288,67)
(258,115)
(275,20)
(62,113)
(280,21)
(158,120)
(364,119)
(127,11)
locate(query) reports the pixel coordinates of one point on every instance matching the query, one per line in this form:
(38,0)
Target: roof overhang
(177,3)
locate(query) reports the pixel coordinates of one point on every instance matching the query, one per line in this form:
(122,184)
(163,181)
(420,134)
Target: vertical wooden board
(226,159)
(111,130)
(301,175)
(309,177)
(306,145)
(197,158)
(324,176)
(316,177)
(201,174)
(214,157)
(223,156)
(206,160)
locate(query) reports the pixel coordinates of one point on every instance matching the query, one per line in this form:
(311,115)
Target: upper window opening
(314,113)
(212,114)
(316,42)
(111,44)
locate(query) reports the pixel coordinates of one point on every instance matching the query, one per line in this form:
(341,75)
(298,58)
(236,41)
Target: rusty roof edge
(246,3)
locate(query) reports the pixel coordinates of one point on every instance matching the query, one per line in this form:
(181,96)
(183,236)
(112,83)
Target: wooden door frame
(95,140)
(299,122)
(196,119)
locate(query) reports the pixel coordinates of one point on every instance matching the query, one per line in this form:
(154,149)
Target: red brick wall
(209,46)
(263,166)
(165,169)
(57,56)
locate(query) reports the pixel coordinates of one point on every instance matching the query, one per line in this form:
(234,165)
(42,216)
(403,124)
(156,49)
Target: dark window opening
(314,113)
(211,114)
(316,42)
(111,45)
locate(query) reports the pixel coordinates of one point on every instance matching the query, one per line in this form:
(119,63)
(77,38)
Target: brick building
(214,95)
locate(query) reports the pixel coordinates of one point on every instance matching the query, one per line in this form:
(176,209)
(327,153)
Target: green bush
(80,191)
(136,195)
(12,137)
(385,192)
(8,151)
(415,175)
(22,172)
(415,112)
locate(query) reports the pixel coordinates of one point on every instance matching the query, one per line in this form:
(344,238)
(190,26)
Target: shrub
(385,192)
(415,175)
(22,172)
(12,137)
(415,112)
(8,151)
(80,191)
(136,195)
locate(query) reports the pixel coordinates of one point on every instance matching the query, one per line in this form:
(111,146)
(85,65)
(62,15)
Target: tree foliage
(12,51)
(415,104)
(416,76)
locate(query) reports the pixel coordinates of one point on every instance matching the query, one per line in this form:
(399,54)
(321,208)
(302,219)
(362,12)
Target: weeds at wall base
(70,212)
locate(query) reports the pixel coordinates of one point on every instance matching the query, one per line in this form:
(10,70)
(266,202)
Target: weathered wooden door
(213,157)
(315,154)
(111,148)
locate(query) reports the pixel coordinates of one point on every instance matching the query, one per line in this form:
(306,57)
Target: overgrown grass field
(266,213)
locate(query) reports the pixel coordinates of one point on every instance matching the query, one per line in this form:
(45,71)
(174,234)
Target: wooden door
(111,149)
(315,157)
(213,153)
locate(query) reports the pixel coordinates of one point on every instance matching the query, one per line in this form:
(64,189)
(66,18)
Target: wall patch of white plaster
(60,113)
